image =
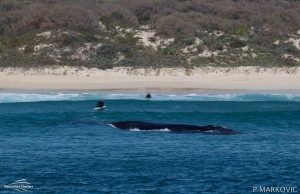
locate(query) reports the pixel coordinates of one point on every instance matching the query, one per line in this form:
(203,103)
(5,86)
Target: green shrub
(117,16)
(219,45)
(290,48)
(73,16)
(69,38)
(208,41)
(129,62)
(100,62)
(128,39)
(237,43)
(169,51)
(127,51)
(241,31)
(114,14)
(187,41)
(28,49)
(2,29)
(8,5)
(174,25)
(114,19)
(107,51)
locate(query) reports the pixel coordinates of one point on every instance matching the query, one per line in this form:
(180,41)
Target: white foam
(36,97)
(210,131)
(163,130)
(111,125)
(60,96)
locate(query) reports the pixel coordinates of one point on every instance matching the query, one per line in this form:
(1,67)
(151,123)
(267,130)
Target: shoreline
(152,91)
(178,80)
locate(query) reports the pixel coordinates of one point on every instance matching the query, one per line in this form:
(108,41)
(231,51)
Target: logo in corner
(20,185)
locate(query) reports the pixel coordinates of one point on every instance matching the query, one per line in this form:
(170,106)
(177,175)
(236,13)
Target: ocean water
(59,144)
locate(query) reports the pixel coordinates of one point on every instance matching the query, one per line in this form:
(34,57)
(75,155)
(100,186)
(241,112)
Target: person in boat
(100,104)
(148,95)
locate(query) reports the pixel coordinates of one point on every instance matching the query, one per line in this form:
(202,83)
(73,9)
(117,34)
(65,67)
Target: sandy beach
(206,78)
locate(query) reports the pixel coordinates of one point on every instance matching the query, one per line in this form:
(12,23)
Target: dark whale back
(141,125)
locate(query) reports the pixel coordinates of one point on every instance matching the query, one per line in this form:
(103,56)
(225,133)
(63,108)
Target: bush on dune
(27,19)
(8,5)
(112,14)
(278,16)
(59,15)
(174,25)
(73,23)
(142,9)
(73,17)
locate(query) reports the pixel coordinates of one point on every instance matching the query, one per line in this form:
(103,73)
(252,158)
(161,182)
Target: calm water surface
(61,145)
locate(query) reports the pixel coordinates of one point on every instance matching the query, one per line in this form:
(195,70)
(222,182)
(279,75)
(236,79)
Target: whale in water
(148,126)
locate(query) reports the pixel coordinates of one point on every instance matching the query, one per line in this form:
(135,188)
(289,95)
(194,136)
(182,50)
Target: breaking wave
(59,96)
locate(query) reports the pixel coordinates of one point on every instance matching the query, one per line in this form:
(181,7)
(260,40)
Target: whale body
(148,126)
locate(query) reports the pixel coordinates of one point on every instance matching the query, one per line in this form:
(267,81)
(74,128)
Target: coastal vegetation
(149,33)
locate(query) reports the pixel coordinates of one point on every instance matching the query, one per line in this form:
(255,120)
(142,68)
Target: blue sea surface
(60,144)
